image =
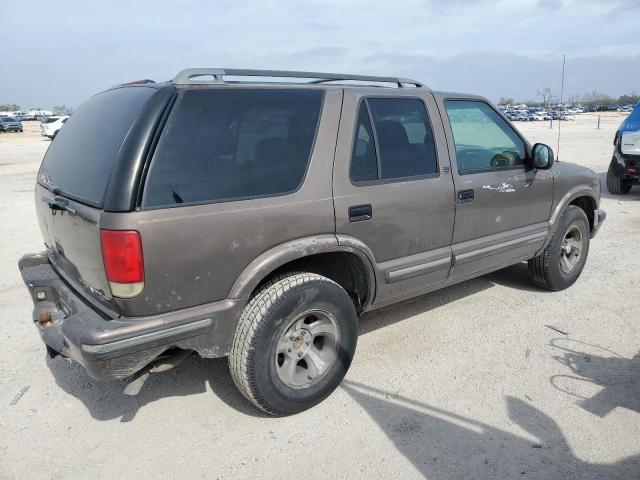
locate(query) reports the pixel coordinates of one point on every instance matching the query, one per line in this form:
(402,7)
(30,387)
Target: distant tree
(11,107)
(507,101)
(63,110)
(574,99)
(630,99)
(547,97)
(596,98)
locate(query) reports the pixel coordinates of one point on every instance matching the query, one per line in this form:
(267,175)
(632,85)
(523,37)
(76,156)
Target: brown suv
(255,219)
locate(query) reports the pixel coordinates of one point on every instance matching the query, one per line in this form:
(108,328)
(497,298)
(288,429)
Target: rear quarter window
(233,143)
(79,161)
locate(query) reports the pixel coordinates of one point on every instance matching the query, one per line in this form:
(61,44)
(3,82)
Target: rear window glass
(231,144)
(79,160)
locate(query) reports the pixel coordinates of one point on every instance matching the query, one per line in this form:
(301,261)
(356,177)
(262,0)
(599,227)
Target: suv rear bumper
(117,348)
(626,167)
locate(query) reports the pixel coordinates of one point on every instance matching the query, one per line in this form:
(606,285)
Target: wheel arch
(350,267)
(589,205)
(581,196)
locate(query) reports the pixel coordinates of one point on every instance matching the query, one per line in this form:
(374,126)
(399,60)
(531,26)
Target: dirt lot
(475,381)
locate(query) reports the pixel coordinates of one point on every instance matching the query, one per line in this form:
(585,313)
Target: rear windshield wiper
(62,205)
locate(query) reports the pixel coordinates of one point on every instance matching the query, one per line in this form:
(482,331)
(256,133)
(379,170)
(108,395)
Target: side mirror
(541,156)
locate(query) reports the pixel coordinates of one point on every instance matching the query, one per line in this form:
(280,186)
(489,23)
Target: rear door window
(364,161)
(404,146)
(232,144)
(79,161)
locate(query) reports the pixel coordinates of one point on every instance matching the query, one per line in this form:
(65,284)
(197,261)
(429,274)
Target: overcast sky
(61,52)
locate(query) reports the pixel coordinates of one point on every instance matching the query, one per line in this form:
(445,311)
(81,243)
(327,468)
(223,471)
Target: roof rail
(189,76)
(134,82)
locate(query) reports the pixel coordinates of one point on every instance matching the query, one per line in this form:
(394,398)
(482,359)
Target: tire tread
(540,265)
(615,184)
(251,321)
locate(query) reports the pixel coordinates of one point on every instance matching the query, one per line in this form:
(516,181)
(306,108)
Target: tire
(557,268)
(615,184)
(274,323)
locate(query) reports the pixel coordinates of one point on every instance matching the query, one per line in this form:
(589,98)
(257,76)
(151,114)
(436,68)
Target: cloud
(62,52)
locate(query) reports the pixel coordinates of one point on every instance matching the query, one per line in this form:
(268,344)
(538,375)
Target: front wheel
(294,343)
(562,261)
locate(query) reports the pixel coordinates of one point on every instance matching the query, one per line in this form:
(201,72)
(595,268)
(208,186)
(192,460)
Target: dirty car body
(383,232)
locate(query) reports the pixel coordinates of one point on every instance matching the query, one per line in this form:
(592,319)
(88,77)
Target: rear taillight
(123,262)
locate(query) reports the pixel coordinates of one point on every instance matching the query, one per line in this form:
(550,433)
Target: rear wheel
(615,184)
(294,343)
(562,261)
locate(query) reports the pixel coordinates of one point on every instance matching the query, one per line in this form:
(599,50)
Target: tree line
(547,97)
(13,107)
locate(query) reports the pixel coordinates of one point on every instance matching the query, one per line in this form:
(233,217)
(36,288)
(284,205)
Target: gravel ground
(487,379)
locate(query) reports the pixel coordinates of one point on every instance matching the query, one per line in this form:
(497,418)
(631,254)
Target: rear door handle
(465,196)
(358,213)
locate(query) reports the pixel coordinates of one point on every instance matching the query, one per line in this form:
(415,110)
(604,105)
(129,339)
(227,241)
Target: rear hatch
(629,133)
(72,183)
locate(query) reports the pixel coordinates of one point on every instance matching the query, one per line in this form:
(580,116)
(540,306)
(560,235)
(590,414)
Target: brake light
(123,262)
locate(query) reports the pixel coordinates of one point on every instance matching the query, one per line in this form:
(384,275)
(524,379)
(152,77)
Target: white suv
(51,128)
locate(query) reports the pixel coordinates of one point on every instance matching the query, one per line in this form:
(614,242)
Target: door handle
(465,196)
(358,213)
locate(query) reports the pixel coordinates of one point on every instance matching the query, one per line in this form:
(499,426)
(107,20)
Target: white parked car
(50,129)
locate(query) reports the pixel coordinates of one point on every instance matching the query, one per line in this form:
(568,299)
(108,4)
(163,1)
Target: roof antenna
(564,57)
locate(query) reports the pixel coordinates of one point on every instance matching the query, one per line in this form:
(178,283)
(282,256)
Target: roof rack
(189,76)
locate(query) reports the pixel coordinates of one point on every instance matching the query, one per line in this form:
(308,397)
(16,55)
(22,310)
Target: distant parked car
(624,169)
(50,129)
(10,124)
(49,118)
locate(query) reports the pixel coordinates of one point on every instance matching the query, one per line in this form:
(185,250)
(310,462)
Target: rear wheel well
(588,205)
(344,268)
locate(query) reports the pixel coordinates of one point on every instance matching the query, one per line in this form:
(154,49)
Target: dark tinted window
(484,141)
(404,139)
(364,163)
(225,144)
(80,159)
